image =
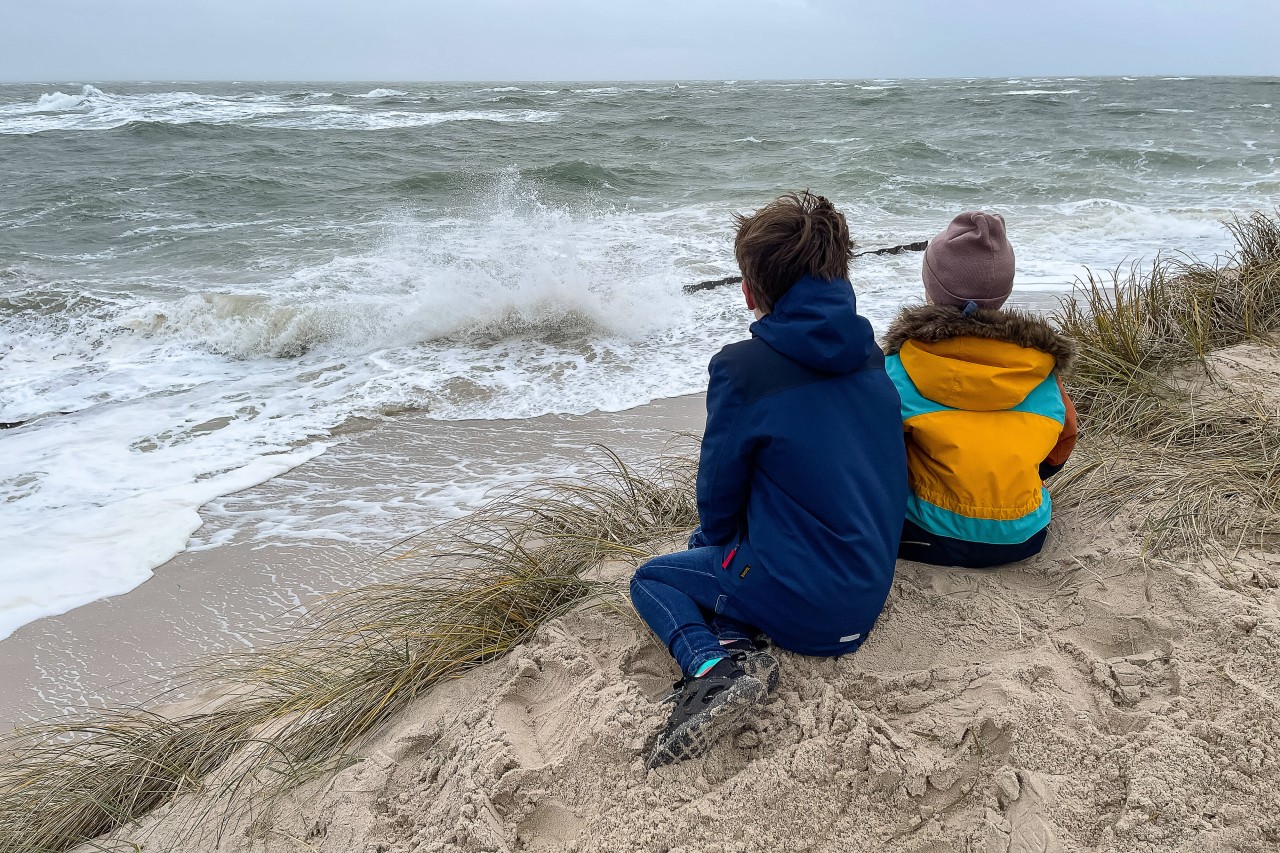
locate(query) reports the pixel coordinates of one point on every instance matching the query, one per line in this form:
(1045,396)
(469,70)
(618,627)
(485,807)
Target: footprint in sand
(1252,666)
(551,826)
(1129,679)
(1024,826)
(1132,678)
(651,668)
(533,712)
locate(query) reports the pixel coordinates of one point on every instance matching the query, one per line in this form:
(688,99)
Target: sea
(205,285)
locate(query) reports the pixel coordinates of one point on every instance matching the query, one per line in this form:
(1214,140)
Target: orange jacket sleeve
(1057,457)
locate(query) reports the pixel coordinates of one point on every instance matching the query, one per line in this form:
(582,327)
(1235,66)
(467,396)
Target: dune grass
(285,712)
(1197,456)
(1140,332)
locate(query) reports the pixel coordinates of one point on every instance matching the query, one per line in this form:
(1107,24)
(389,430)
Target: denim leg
(676,594)
(727,628)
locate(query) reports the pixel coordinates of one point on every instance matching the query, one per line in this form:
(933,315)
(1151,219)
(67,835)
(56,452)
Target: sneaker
(755,660)
(705,709)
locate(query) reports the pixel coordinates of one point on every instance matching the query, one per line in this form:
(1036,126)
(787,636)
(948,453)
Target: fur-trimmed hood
(936,323)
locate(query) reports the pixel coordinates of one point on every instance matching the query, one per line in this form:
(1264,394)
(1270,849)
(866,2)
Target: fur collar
(934,323)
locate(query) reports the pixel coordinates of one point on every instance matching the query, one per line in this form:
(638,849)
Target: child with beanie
(802,481)
(985,416)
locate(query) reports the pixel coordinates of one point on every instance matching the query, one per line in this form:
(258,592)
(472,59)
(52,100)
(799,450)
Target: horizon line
(721,79)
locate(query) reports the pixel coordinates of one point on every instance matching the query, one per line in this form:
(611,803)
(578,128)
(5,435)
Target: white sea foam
(1041,92)
(172,402)
(192,227)
(97,110)
(98,535)
(396,119)
(58,102)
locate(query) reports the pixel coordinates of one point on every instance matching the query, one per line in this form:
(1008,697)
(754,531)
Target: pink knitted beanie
(971,261)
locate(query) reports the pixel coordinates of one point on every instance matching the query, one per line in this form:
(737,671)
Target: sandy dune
(1085,700)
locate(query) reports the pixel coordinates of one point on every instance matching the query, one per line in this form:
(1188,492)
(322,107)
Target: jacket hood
(933,324)
(988,361)
(817,323)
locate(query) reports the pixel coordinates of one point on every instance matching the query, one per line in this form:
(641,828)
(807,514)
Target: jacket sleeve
(724,468)
(1057,457)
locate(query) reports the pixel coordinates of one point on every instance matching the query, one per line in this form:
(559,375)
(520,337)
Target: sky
(387,40)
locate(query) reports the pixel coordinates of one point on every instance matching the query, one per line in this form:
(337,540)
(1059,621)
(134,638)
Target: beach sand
(1083,700)
(1091,698)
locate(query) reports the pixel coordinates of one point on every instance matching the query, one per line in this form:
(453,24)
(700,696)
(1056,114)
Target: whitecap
(57,102)
(398,119)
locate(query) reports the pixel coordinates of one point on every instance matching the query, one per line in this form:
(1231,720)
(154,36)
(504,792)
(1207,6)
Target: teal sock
(702,670)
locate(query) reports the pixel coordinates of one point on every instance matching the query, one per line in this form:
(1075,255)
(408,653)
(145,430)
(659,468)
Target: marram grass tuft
(1165,435)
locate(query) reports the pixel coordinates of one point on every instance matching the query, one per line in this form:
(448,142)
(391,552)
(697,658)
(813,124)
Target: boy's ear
(750,297)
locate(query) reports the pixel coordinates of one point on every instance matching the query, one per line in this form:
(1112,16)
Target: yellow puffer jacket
(985,416)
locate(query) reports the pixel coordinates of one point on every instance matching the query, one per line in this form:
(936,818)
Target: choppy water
(199,282)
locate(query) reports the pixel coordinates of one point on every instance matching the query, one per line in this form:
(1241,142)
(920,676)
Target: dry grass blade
(1198,456)
(283,712)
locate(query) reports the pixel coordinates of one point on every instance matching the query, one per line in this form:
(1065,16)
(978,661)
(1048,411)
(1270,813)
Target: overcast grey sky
(93,40)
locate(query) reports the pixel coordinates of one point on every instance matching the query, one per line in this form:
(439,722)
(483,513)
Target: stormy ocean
(203,286)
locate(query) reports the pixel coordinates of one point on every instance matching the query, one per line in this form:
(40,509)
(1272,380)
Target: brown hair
(795,235)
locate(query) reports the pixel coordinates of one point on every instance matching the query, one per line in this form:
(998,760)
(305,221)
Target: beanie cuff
(938,294)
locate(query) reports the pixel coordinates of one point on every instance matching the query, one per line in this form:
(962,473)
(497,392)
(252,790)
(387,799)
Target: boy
(985,414)
(801,482)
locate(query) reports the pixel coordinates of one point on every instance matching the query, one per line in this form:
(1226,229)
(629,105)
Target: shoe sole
(699,733)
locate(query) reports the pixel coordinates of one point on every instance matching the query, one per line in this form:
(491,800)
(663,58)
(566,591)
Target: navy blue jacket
(803,474)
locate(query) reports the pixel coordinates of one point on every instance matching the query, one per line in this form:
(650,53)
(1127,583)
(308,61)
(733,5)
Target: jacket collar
(936,323)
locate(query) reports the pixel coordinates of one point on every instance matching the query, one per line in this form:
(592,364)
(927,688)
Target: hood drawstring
(970,308)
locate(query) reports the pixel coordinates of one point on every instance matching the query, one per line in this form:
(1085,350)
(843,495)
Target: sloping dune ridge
(1085,700)
(1092,698)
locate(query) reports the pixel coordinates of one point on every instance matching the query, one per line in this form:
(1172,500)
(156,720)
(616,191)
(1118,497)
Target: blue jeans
(676,595)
